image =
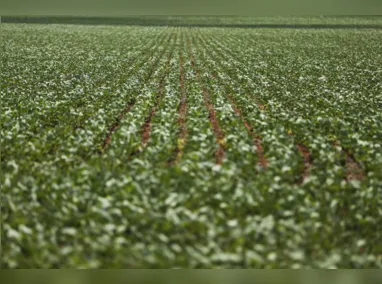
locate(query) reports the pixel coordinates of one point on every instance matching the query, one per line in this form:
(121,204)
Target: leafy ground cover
(131,147)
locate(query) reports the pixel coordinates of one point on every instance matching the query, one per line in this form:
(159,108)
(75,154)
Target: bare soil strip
(219,135)
(262,107)
(304,152)
(116,125)
(308,162)
(182,111)
(147,126)
(262,160)
(126,109)
(353,169)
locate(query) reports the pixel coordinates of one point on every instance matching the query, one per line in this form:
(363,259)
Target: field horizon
(320,21)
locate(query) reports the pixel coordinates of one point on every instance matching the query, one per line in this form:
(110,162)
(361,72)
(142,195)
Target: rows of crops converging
(167,147)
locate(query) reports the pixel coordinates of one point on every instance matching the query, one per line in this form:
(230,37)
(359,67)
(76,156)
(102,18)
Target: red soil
(262,160)
(219,135)
(308,161)
(182,111)
(146,128)
(262,107)
(354,170)
(116,125)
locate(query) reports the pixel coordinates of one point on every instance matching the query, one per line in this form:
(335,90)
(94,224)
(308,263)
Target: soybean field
(198,147)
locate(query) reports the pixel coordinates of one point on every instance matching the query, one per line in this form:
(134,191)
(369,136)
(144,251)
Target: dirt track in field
(262,160)
(116,125)
(218,132)
(308,162)
(147,126)
(182,111)
(354,170)
(127,108)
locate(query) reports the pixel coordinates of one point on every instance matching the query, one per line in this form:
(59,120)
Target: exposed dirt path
(182,112)
(262,160)
(304,152)
(262,107)
(147,125)
(116,125)
(308,162)
(125,110)
(353,170)
(219,134)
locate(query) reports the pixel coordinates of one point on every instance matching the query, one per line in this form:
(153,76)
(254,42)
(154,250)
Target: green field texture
(201,147)
(197,20)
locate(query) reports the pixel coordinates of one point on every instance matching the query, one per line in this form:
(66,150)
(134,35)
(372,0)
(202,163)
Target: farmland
(164,146)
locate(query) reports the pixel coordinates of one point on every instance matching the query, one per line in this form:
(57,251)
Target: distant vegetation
(238,21)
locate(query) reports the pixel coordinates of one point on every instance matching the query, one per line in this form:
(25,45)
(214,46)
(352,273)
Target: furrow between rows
(147,125)
(262,160)
(116,125)
(182,111)
(353,169)
(219,134)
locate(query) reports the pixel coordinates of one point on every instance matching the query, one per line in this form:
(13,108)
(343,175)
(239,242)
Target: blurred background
(195,7)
